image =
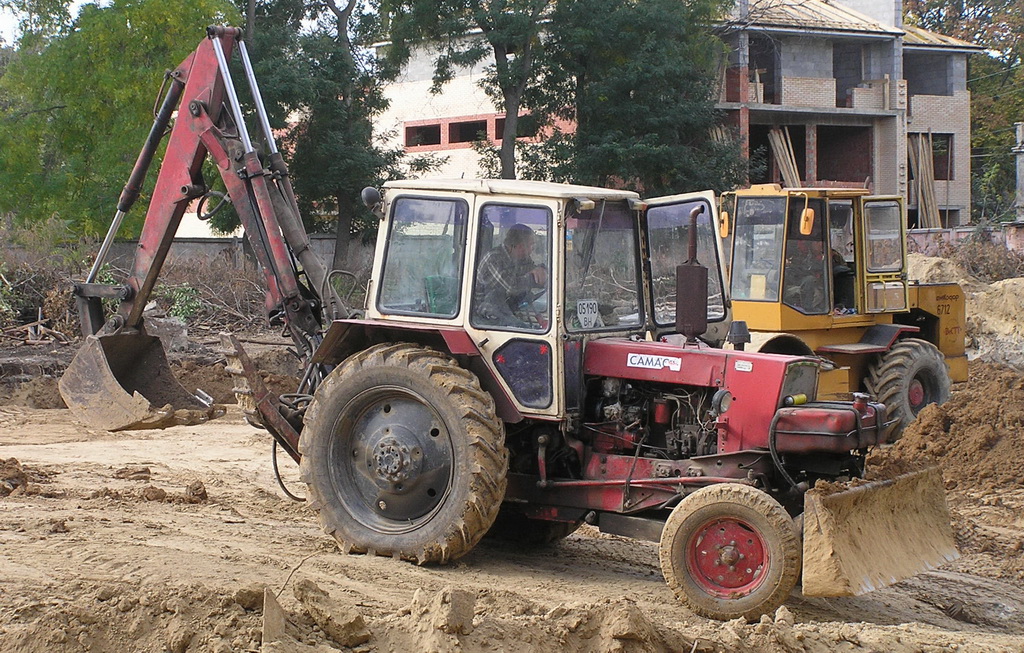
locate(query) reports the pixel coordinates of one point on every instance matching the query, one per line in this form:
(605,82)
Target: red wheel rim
(727,558)
(915,393)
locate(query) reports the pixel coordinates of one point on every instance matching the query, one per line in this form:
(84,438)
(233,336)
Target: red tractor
(531,356)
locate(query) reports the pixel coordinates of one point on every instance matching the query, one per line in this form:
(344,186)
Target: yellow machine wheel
(908,377)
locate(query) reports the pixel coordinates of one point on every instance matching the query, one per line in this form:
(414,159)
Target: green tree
(39,18)
(637,80)
(997,102)
(335,152)
(467,32)
(323,86)
(75,108)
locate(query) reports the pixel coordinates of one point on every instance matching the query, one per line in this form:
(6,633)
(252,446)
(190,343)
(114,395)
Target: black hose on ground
(277,475)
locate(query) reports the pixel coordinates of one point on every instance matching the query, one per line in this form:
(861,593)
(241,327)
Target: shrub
(37,268)
(984,259)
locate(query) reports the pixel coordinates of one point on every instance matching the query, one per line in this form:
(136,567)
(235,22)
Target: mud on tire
(908,377)
(730,551)
(404,455)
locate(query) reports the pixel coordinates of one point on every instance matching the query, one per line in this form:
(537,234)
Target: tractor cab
(808,258)
(532,271)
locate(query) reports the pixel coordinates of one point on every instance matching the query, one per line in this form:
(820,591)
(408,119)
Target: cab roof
(821,191)
(513,187)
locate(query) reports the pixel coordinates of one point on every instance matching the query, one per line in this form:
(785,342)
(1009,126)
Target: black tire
(514,527)
(908,377)
(712,534)
(404,455)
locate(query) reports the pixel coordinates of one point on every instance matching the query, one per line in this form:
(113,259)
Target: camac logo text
(649,362)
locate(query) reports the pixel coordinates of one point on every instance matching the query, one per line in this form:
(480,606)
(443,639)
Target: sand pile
(994,325)
(978,441)
(86,615)
(995,332)
(934,269)
(977,436)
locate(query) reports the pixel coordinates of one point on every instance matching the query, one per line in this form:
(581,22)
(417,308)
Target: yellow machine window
(884,245)
(757,248)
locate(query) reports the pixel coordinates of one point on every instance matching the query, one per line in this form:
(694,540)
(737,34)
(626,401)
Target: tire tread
(782,527)
(488,455)
(887,378)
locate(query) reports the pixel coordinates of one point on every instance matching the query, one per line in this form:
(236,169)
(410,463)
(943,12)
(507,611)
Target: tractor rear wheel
(730,551)
(404,455)
(908,377)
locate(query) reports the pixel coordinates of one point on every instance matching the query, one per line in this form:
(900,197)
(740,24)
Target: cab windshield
(602,280)
(773,258)
(757,248)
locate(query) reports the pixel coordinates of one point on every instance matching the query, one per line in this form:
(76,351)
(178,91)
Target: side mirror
(723,224)
(372,200)
(807,222)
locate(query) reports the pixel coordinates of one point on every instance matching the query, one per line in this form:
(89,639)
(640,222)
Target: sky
(8,23)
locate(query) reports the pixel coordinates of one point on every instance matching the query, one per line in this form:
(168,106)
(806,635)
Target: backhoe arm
(209,122)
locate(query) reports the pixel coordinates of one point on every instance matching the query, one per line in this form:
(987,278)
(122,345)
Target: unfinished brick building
(851,84)
(856,90)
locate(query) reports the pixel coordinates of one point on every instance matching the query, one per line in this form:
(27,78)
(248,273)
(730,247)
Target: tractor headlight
(801,383)
(721,401)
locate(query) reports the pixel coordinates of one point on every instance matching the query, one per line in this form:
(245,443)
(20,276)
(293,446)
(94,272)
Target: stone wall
(358,260)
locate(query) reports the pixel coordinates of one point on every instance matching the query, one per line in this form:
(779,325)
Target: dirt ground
(107,543)
(167,540)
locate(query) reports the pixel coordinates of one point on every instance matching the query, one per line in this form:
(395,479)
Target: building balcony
(872,96)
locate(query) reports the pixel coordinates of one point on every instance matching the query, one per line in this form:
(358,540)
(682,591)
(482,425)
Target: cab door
(666,232)
(882,254)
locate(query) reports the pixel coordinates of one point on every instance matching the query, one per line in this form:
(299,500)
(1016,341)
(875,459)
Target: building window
(527,127)
(941,146)
(467,132)
(423,135)
(928,73)
(942,156)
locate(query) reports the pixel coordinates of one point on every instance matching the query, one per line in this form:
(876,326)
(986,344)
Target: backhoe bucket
(876,534)
(122,381)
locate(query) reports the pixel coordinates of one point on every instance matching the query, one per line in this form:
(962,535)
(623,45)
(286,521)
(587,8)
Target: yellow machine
(823,271)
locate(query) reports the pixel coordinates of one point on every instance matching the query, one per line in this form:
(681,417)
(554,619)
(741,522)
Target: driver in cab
(505,277)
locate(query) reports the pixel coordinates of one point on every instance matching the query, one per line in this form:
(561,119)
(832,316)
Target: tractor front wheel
(730,551)
(404,455)
(908,377)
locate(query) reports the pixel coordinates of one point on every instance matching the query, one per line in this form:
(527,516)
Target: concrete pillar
(810,154)
(743,119)
(1019,151)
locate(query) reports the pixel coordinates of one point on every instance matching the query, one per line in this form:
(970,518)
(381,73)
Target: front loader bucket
(122,381)
(875,534)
